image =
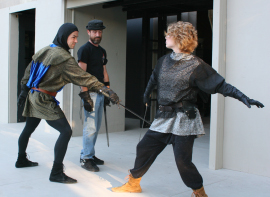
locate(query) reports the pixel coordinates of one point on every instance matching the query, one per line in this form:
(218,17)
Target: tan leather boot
(132,186)
(199,193)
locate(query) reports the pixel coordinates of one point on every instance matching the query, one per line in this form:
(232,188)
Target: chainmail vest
(173,81)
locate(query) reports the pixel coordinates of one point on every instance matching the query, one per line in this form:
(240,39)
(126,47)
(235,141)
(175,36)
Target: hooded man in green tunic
(49,71)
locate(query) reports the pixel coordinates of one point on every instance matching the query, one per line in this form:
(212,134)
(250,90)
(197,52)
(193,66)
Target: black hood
(62,35)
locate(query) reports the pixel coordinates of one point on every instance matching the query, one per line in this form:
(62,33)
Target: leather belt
(179,105)
(170,108)
(187,107)
(45,91)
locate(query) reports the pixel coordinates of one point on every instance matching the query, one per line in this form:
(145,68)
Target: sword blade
(143,122)
(107,95)
(144,116)
(106,125)
(135,114)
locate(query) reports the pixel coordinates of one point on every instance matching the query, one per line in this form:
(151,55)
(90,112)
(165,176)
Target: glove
(248,102)
(106,101)
(87,101)
(229,90)
(147,100)
(23,95)
(112,95)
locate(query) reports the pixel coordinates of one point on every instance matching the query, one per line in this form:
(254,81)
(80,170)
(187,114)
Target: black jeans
(153,144)
(61,144)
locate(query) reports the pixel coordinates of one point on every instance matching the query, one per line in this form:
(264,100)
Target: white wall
(247,131)
(4,34)
(13,66)
(82,3)
(48,20)
(10,3)
(114,42)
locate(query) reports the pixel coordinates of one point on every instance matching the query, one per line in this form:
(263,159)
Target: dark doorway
(26,48)
(134,70)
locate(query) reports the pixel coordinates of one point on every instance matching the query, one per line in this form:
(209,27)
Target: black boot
(23,161)
(98,161)
(58,175)
(89,165)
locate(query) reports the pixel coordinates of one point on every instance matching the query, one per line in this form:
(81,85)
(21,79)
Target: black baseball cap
(95,25)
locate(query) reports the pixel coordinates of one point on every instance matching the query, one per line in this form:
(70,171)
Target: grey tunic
(63,70)
(179,125)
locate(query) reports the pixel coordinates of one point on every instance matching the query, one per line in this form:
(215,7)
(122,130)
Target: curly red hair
(184,34)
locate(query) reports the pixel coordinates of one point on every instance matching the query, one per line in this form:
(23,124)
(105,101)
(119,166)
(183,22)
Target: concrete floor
(162,180)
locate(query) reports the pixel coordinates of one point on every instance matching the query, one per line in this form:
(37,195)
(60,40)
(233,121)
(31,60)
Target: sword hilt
(105,94)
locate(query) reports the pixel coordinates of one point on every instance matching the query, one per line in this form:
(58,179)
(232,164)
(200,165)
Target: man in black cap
(93,59)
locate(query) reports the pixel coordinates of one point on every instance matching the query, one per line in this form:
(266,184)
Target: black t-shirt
(95,58)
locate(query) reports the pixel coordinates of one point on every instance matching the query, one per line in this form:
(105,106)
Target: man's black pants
(61,144)
(153,144)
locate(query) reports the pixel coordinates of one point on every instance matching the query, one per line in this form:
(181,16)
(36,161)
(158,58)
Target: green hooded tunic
(63,70)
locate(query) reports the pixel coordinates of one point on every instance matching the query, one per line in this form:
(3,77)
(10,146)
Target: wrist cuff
(107,83)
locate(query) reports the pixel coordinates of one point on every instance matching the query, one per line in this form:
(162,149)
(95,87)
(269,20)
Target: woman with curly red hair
(178,76)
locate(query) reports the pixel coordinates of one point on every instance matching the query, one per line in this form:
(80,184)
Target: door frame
(218,100)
